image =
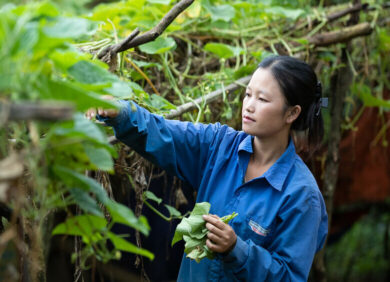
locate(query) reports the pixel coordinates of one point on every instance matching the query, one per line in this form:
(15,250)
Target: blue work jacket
(282,220)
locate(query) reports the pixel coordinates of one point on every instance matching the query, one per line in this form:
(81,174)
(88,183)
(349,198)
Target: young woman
(255,172)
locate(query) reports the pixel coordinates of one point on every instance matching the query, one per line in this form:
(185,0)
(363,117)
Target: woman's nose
(249,106)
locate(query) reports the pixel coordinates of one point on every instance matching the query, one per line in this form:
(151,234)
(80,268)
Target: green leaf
(64,59)
(194,232)
(159,102)
(244,71)
(86,202)
(124,215)
(82,126)
(88,226)
(120,89)
(124,245)
(158,46)
(223,51)
(292,14)
(151,196)
(67,91)
(90,73)
(221,12)
(70,28)
(201,208)
(172,211)
(75,179)
(368,99)
(100,157)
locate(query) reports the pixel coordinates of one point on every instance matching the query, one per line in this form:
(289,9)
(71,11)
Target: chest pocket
(258,232)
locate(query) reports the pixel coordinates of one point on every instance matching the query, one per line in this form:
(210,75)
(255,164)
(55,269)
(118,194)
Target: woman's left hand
(221,236)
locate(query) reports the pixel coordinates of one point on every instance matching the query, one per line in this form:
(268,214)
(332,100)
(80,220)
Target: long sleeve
(181,148)
(299,234)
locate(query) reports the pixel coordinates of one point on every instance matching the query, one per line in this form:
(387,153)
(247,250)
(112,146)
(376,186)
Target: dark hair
(300,86)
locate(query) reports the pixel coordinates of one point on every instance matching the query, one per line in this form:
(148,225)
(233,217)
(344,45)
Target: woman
(255,172)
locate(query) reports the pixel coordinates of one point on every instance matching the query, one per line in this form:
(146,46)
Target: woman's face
(264,111)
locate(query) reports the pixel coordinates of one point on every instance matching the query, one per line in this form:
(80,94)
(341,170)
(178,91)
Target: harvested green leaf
(194,232)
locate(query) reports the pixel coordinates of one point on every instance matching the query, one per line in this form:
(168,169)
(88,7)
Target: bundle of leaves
(194,232)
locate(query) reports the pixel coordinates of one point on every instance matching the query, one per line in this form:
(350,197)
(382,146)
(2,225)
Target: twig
(133,40)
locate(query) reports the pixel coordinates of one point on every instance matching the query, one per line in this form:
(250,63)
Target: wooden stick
(36,111)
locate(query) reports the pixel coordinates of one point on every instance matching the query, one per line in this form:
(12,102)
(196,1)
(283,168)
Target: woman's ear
(293,113)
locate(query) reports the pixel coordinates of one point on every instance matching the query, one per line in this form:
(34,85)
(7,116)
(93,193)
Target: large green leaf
(68,91)
(158,46)
(124,215)
(84,129)
(124,245)
(70,28)
(88,226)
(74,179)
(120,89)
(90,73)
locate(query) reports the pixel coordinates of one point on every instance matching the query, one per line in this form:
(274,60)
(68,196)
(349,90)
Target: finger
(111,113)
(212,246)
(215,221)
(213,229)
(214,238)
(100,111)
(90,113)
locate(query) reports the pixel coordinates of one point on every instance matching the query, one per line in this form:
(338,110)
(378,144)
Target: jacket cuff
(237,257)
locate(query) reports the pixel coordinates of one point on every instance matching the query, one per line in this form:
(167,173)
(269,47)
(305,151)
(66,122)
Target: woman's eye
(247,95)
(262,99)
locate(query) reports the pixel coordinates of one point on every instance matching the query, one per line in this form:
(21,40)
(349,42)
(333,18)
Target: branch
(134,40)
(35,111)
(342,35)
(209,97)
(349,10)
(206,99)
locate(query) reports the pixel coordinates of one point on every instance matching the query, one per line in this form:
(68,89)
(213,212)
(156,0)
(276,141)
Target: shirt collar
(277,173)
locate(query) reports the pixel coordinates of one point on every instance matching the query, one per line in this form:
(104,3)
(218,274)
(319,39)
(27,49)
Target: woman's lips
(247,119)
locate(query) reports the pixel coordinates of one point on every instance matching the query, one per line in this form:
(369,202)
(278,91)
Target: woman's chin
(248,130)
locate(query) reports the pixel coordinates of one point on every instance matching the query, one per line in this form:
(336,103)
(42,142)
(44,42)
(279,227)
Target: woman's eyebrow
(261,91)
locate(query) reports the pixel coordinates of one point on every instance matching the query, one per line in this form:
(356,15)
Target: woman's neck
(267,150)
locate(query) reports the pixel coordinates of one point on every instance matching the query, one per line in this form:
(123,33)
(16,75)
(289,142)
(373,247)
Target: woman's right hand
(109,113)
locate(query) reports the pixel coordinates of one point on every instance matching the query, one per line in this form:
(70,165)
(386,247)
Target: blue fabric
(282,220)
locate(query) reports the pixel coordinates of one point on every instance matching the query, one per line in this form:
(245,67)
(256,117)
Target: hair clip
(322,103)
